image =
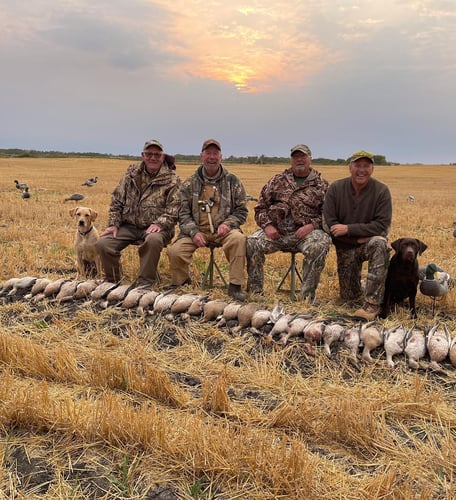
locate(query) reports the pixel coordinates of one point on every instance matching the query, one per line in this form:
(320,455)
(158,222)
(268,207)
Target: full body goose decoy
(435,283)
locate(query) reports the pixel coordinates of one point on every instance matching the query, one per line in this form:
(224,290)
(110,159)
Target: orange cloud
(255,48)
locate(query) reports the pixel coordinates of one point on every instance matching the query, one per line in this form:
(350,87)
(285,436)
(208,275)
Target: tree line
(249,160)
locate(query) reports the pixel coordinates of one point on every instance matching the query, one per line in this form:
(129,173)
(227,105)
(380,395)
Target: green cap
(362,154)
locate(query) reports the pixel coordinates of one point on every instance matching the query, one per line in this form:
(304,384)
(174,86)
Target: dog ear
(396,245)
(93,214)
(72,211)
(421,246)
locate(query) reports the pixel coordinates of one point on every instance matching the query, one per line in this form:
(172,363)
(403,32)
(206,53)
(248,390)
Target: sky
(259,75)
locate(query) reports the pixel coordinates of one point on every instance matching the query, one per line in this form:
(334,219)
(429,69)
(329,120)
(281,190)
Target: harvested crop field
(104,402)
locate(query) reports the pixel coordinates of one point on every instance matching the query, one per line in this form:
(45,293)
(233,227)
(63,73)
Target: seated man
(289,213)
(357,212)
(213,207)
(144,208)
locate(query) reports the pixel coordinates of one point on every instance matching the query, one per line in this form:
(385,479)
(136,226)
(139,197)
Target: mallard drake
(435,283)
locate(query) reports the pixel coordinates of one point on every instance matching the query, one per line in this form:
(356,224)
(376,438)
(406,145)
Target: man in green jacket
(213,208)
(143,211)
(357,212)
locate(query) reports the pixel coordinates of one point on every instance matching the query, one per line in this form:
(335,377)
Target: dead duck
(438,345)
(38,287)
(163,303)
(259,320)
(244,316)
(230,313)
(22,285)
(394,343)
(183,302)
(116,296)
(67,291)
(452,353)
(146,301)
(415,346)
(85,288)
(351,340)
(53,287)
(334,332)
(133,297)
(102,290)
(212,309)
(371,336)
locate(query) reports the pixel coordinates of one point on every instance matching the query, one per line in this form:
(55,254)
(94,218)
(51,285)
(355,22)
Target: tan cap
(152,142)
(211,142)
(303,148)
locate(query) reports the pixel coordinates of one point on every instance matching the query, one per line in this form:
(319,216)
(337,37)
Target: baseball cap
(362,154)
(303,148)
(152,142)
(211,142)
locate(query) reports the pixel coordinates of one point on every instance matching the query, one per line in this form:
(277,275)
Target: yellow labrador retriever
(88,261)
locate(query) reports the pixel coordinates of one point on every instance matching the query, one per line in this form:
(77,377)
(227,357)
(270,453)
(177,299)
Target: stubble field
(108,403)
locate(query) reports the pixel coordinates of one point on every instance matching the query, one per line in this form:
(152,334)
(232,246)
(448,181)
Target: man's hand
(271,232)
(110,230)
(339,230)
(223,229)
(199,240)
(303,231)
(153,228)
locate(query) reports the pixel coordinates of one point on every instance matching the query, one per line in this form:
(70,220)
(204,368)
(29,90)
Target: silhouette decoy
(74,197)
(20,185)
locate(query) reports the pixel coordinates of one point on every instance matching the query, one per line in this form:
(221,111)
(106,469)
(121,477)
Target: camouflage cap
(211,142)
(303,148)
(362,154)
(152,142)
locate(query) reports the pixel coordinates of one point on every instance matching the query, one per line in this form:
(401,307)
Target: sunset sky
(259,75)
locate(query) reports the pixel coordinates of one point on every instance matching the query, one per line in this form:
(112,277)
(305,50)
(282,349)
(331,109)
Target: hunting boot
(369,311)
(235,292)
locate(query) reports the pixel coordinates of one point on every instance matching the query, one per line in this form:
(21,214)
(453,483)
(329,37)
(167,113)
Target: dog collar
(83,233)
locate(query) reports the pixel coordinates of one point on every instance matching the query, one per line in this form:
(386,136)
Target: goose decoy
(20,185)
(435,283)
(25,193)
(74,197)
(90,182)
(454,232)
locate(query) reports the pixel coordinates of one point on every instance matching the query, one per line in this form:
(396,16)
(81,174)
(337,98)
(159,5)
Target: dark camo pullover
(287,207)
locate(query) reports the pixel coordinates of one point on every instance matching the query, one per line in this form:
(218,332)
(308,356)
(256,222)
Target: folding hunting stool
(294,273)
(208,277)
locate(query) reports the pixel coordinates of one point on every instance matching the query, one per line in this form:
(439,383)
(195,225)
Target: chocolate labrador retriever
(402,278)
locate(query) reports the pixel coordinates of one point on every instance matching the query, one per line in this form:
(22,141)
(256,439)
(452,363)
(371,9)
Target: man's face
(300,164)
(361,171)
(153,158)
(211,158)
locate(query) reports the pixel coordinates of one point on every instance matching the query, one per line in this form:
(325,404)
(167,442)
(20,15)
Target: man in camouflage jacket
(213,208)
(143,211)
(289,213)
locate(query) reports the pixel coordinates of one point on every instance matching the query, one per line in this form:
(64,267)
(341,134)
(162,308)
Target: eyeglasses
(148,154)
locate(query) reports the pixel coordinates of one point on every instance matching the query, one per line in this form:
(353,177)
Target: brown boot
(235,292)
(369,311)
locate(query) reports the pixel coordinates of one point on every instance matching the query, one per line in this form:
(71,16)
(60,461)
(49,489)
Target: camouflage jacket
(233,205)
(288,206)
(158,203)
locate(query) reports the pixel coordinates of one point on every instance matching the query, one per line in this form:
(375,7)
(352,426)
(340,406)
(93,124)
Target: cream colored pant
(181,251)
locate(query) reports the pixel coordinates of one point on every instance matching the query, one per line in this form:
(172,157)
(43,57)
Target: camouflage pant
(314,248)
(349,264)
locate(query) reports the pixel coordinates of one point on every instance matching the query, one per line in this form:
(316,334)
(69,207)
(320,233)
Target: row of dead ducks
(275,326)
